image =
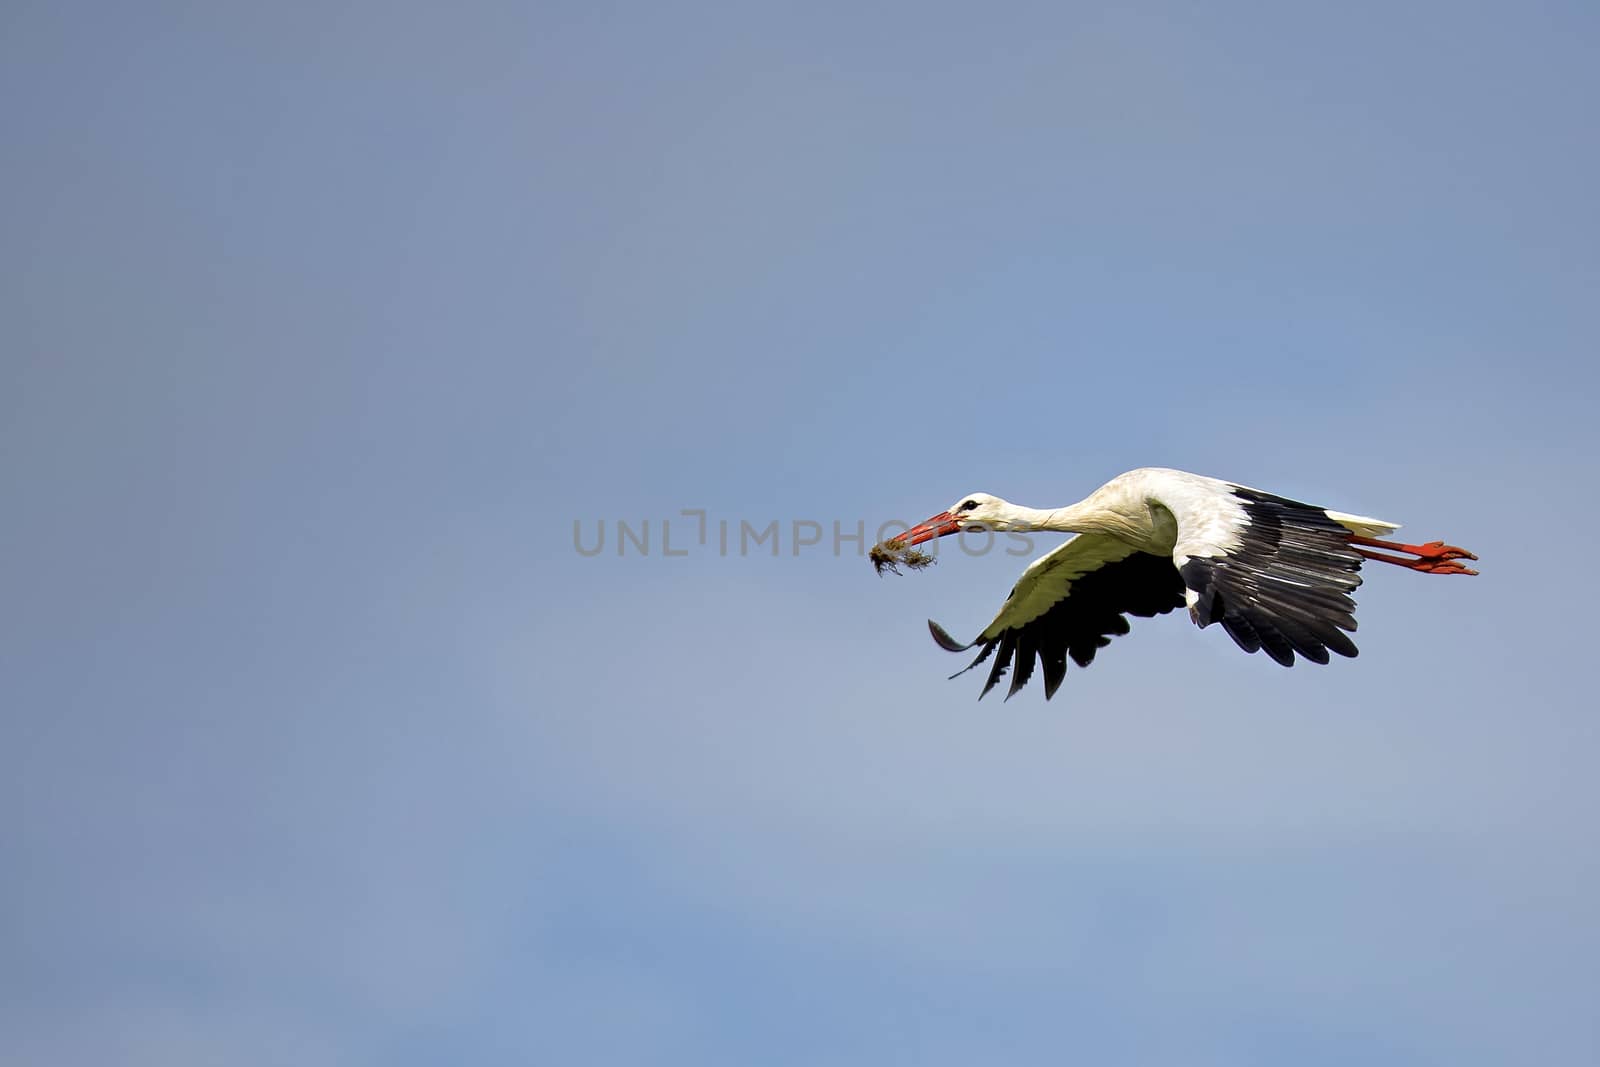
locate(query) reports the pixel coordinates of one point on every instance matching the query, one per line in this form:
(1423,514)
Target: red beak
(938,526)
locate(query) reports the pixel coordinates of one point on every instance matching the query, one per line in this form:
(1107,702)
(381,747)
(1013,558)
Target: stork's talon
(1441,551)
(1443,565)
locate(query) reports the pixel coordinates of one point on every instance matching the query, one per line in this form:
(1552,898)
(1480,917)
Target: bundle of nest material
(895,553)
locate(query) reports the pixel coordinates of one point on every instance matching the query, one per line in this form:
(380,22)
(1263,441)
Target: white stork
(1276,573)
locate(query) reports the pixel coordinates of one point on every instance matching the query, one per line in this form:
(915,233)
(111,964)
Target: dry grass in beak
(895,553)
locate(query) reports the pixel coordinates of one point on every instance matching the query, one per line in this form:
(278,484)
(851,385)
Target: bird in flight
(1276,573)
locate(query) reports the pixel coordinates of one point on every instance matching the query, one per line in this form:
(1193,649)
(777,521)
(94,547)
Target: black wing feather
(1090,610)
(1286,588)
(1002,661)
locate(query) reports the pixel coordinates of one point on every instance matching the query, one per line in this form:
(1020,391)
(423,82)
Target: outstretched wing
(1070,602)
(1276,573)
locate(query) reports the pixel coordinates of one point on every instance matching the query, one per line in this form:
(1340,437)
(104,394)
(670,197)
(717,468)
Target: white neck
(1073,518)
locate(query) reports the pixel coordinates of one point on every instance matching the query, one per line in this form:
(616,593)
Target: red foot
(1435,557)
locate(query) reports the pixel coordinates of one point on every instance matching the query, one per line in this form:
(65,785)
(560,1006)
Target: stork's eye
(967,505)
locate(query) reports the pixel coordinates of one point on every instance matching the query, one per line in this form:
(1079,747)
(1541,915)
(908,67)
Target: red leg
(1435,557)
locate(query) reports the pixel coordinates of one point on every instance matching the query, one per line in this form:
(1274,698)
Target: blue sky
(324,324)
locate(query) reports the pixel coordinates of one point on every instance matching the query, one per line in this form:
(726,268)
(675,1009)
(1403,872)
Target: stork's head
(975,511)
